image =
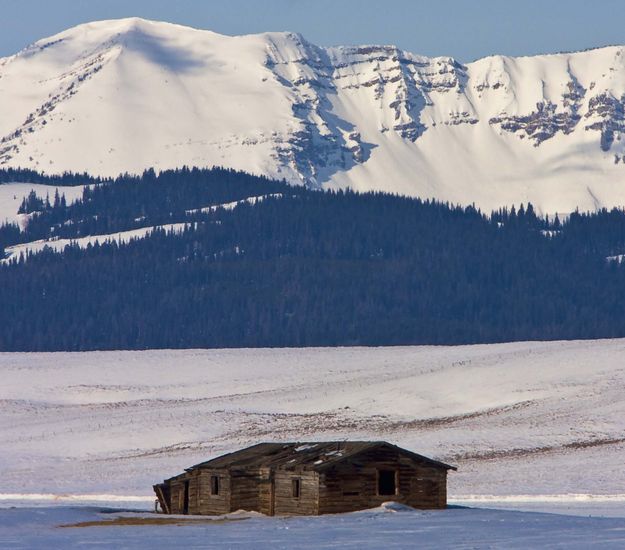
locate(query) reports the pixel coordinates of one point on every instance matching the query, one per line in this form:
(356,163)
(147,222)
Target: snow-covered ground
(534,419)
(22,528)
(532,427)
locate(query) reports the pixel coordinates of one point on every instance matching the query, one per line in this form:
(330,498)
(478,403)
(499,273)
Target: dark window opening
(185,498)
(386,482)
(214,485)
(296,488)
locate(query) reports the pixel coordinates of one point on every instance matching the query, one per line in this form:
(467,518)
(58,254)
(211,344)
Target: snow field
(517,419)
(386,527)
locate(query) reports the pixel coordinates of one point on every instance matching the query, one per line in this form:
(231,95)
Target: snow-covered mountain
(123,95)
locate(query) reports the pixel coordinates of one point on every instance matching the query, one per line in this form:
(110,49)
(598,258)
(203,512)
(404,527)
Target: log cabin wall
(214,504)
(353,484)
(246,489)
(287,503)
(194,493)
(266,502)
(184,492)
(176,496)
(428,488)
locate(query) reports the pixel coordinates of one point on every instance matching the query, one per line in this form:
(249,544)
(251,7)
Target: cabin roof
(307,455)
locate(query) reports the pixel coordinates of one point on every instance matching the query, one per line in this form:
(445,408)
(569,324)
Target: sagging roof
(307,455)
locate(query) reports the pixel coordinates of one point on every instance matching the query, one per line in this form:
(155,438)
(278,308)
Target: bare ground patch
(495,454)
(126,521)
(440,421)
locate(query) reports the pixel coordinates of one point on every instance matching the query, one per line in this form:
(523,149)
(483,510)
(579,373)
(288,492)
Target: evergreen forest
(259,263)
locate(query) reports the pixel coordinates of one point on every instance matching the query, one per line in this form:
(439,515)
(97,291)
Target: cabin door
(185,498)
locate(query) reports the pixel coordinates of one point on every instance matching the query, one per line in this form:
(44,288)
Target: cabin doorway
(387,482)
(185,498)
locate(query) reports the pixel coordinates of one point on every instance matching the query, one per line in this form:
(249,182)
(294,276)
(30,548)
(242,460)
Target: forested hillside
(295,267)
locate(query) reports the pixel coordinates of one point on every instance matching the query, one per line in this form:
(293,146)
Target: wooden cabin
(307,479)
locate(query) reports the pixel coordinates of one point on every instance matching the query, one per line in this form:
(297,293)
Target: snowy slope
(520,420)
(58,245)
(12,194)
(122,95)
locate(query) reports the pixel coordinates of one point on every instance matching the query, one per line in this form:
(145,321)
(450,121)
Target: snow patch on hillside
(617,259)
(232,205)
(14,252)
(12,195)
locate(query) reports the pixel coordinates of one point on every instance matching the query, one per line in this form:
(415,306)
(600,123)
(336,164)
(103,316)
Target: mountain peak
(123,25)
(122,95)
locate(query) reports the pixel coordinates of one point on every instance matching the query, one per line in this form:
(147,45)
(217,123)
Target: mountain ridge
(123,95)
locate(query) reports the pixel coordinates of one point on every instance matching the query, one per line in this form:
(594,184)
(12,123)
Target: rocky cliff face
(124,95)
